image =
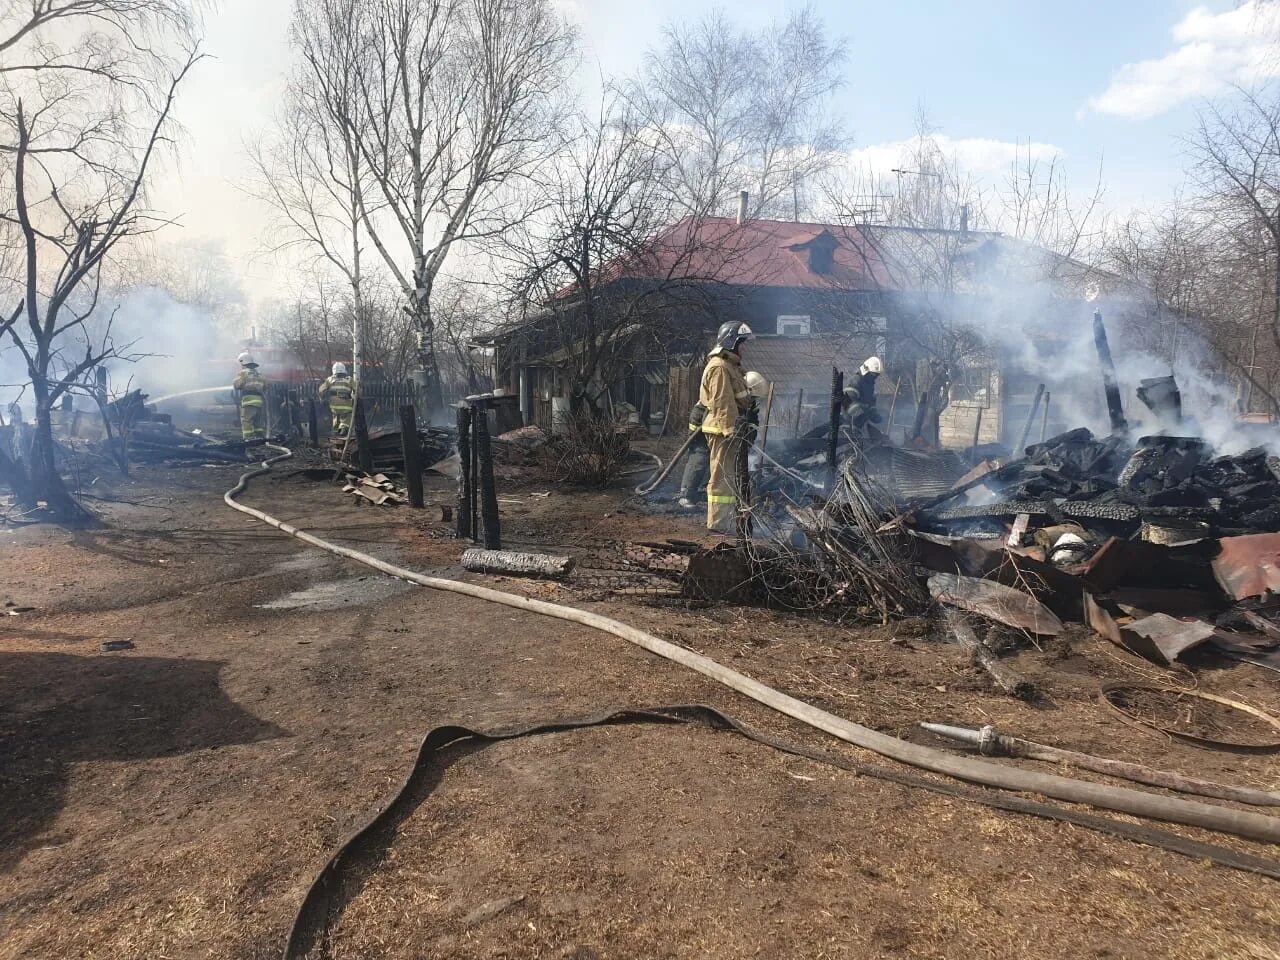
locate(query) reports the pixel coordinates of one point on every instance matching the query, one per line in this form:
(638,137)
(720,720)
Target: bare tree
(454,104)
(733,109)
(1236,148)
(84,111)
(598,278)
(309,169)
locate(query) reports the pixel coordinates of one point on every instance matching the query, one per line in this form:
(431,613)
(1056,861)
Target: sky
(1104,86)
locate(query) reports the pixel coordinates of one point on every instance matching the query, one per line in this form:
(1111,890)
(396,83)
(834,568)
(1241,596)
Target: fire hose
(661,472)
(1254,826)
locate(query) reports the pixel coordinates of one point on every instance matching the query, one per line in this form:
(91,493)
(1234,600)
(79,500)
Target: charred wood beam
(1109,382)
(1031,418)
(1005,678)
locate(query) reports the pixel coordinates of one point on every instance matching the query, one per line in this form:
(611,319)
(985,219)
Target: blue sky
(1091,81)
(1003,70)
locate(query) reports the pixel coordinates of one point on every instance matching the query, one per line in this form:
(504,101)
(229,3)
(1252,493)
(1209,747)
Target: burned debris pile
(1160,547)
(1166,490)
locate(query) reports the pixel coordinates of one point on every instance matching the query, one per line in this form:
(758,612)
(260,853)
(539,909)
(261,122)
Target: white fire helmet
(757,385)
(339,369)
(872,365)
(246,359)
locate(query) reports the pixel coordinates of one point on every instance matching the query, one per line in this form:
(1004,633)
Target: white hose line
(190,393)
(1243,823)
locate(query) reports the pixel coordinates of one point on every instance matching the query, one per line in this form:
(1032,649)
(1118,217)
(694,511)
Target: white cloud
(983,158)
(1213,51)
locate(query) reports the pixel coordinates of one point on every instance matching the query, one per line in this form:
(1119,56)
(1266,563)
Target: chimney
(964,221)
(743,195)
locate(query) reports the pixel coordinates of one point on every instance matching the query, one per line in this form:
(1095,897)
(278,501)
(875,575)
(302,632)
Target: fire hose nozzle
(987,740)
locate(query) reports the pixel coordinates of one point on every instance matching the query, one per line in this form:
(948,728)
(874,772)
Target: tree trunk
(46,481)
(428,363)
(14,475)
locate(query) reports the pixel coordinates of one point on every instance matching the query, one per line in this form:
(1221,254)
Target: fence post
(313,422)
(833,437)
(363,449)
(411,444)
(464,471)
(488,487)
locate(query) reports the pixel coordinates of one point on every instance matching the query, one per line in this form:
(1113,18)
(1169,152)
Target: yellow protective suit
(339,393)
(251,387)
(724,393)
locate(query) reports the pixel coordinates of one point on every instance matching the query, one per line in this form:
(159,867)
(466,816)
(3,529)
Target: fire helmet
(757,385)
(871,365)
(339,369)
(731,334)
(246,359)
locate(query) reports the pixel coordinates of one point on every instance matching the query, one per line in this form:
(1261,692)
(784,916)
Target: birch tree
(456,99)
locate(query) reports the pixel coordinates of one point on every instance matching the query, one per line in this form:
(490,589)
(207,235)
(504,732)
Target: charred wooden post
(488,487)
(476,413)
(363,449)
(799,413)
(411,444)
(1031,419)
(833,436)
(464,528)
(1109,382)
(1044,419)
(313,423)
(922,411)
(977,434)
(742,481)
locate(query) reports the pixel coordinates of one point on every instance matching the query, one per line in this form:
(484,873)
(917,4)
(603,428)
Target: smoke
(175,346)
(165,346)
(1039,330)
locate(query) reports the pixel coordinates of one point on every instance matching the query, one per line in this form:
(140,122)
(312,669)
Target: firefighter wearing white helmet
(726,398)
(339,391)
(860,399)
(251,395)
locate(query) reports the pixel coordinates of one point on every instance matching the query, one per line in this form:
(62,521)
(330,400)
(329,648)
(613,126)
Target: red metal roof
(763,253)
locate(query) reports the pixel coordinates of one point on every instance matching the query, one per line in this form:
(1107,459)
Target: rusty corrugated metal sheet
(1249,566)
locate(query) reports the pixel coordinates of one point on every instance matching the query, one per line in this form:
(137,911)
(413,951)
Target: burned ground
(174,799)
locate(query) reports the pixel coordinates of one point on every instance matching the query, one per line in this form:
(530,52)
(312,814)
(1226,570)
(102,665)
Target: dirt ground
(174,799)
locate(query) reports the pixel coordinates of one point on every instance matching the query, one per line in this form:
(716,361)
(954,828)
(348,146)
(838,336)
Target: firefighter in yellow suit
(251,389)
(725,396)
(339,391)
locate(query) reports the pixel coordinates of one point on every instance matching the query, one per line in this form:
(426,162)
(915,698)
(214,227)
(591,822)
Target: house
(974,319)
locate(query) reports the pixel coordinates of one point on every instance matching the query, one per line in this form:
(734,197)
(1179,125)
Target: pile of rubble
(1160,547)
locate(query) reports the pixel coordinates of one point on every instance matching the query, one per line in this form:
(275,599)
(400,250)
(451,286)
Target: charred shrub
(590,451)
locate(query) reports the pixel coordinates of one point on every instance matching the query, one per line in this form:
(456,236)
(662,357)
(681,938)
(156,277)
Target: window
(793,326)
